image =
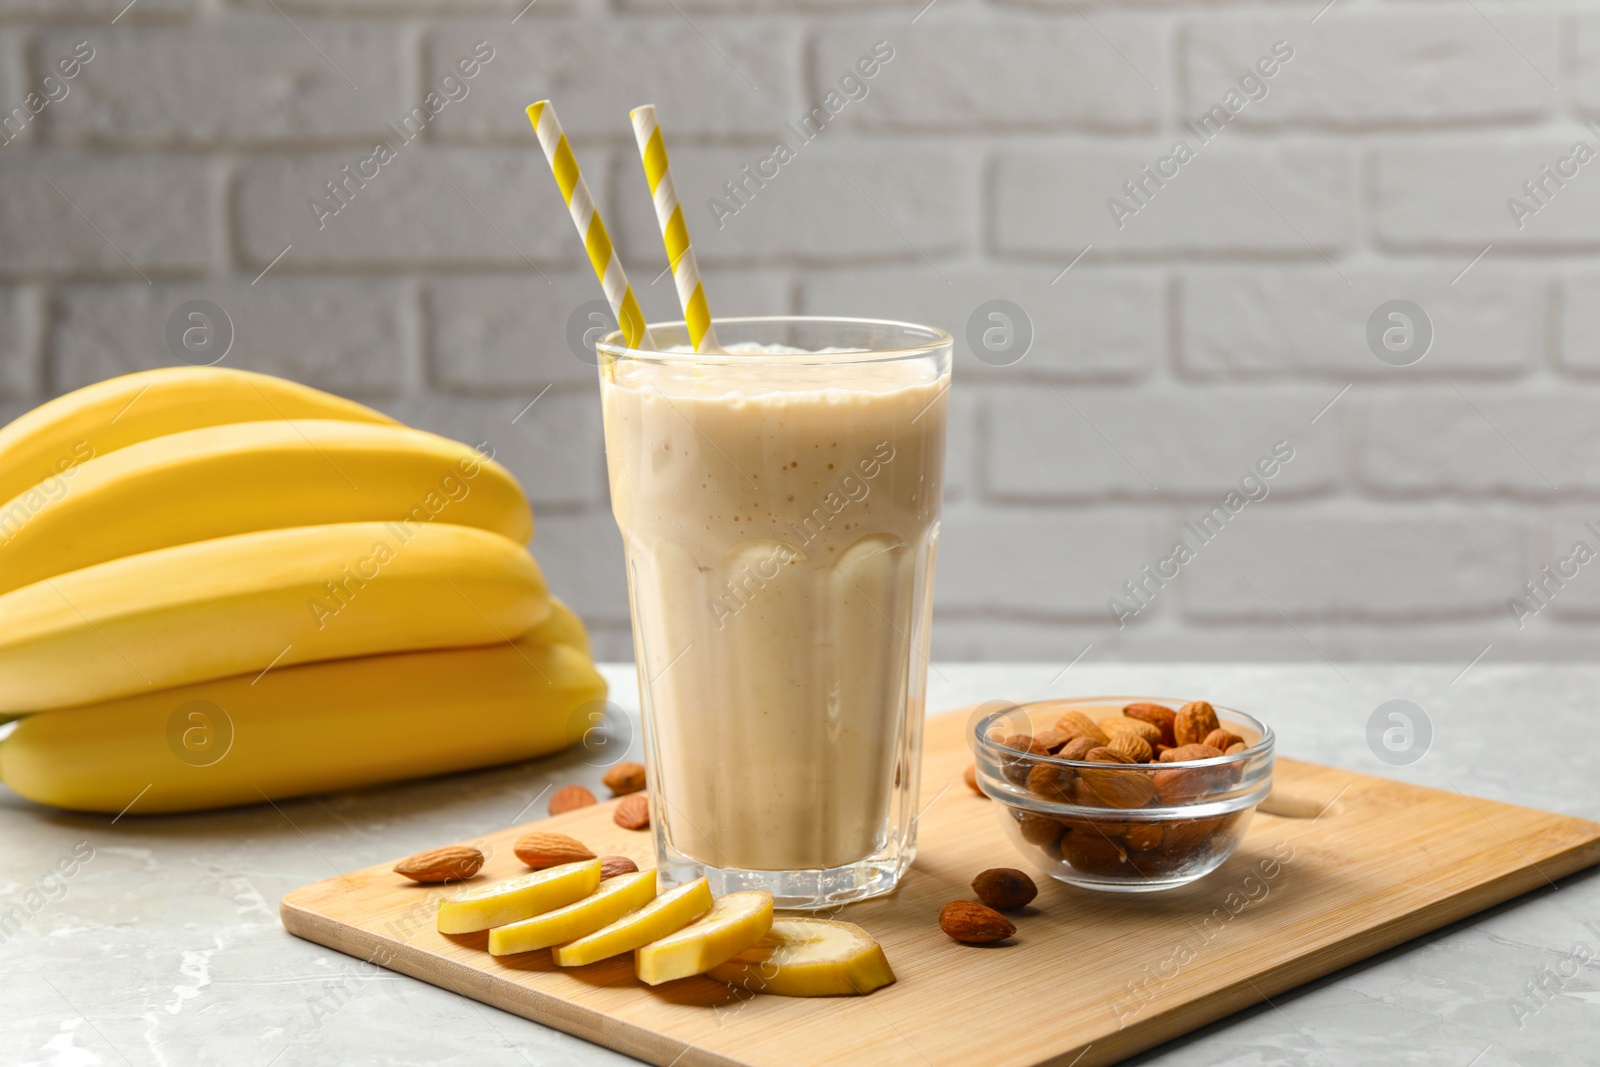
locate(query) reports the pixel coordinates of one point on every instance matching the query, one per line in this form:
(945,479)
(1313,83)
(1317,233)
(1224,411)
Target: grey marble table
(165,946)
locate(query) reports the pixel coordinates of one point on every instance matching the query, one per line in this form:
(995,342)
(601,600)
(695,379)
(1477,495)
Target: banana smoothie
(779,510)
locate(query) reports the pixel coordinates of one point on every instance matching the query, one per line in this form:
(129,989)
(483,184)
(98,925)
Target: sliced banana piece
(736,922)
(505,902)
(809,958)
(615,898)
(668,913)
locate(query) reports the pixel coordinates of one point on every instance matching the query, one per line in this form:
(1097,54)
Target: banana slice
(615,898)
(666,914)
(518,898)
(809,958)
(736,922)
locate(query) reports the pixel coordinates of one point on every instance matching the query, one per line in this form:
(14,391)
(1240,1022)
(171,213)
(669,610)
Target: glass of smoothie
(779,509)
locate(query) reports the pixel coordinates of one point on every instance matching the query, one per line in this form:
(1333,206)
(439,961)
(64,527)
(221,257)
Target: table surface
(165,946)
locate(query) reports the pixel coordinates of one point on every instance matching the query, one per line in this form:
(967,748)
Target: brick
(1318,563)
(1570,588)
(612,642)
(1088,324)
(490,333)
(1458,196)
(1480,441)
(734,7)
(520,9)
(155,210)
(668,63)
(1012,73)
(964,435)
(1305,320)
(17,129)
(19,343)
(1197,443)
(99,12)
(821,207)
(584,563)
(246,80)
(1012,559)
(351,336)
(1376,70)
(1054,204)
(1580,323)
(1584,75)
(409,214)
(555,448)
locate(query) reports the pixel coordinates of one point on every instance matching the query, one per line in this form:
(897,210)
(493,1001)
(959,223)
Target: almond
(1131,745)
(625,778)
(1106,754)
(1142,836)
(1038,829)
(1121,724)
(1075,723)
(540,850)
(1078,748)
(1183,785)
(1115,788)
(1162,718)
(453,863)
(1186,835)
(1005,888)
(1195,720)
(973,924)
(633,812)
(1050,740)
(1235,748)
(570,798)
(1051,782)
(1221,739)
(1014,768)
(1091,852)
(611,866)
(971,778)
(1189,752)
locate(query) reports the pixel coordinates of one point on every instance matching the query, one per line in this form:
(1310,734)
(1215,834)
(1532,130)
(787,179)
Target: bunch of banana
(218,587)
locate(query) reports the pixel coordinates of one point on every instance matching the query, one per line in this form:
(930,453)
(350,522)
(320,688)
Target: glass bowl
(1119,827)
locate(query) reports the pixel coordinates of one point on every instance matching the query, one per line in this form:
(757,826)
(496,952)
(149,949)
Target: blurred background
(1371,268)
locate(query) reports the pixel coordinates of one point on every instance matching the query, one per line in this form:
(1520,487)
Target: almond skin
(1005,888)
(1121,724)
(633,813)
(1075,723)
(1038,829)
(454,863)
(625,778)
(1189,752)
(973,924)
(1162,718)
(1221,739)
(1051,783)
(540,850)
(1115,787)
(1078,748)
(1195,720)
(570,798)
(611,866)
(1016,770)
(1133,746)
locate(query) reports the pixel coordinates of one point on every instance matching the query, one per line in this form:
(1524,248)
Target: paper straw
(669,213)
(603,257)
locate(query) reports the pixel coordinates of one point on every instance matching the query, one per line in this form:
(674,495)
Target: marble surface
(164,947)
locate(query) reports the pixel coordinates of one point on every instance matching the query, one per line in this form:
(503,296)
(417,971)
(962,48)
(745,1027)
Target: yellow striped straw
(602,256)
(669,213)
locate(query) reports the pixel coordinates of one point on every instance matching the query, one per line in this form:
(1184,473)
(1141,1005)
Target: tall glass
(779,507)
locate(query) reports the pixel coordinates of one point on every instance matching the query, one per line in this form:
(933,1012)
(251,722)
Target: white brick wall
(1227,311)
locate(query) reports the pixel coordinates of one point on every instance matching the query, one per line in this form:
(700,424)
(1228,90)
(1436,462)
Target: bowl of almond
(1123,794)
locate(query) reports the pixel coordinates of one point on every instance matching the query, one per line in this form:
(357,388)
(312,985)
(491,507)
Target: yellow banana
(562,627)
(101,418)
(242,604)
(243,477)
(306,729)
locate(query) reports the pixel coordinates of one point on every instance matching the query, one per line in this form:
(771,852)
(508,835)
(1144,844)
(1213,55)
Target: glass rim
(613,346)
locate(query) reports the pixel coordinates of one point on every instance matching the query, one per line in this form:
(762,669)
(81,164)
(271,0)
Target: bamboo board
(1305,894)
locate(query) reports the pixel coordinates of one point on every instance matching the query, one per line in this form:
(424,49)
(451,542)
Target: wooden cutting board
(1089,978)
